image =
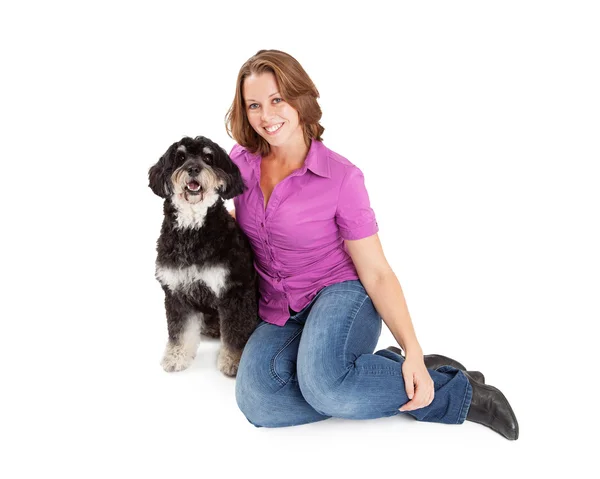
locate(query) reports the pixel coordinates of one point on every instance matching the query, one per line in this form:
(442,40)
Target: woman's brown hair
(295,87)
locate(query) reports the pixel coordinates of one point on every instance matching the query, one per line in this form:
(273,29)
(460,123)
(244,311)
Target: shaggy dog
(204,262)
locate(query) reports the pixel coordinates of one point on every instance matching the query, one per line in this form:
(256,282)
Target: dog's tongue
(193,185)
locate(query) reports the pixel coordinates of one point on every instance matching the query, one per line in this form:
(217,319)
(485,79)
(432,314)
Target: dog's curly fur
(204,261)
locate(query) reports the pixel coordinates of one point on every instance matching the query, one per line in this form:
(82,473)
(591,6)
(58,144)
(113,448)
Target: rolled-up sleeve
(354,216)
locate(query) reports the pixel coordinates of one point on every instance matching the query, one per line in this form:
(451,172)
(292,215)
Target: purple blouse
(298,241)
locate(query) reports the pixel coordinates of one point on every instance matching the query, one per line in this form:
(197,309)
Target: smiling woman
(270,113)
(324,282)
(274,83)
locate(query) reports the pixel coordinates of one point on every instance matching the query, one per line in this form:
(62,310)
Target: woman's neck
(292,154)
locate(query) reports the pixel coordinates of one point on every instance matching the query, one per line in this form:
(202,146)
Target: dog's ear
(229,173)
(159,174)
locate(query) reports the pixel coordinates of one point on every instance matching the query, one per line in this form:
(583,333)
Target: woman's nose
(266,113)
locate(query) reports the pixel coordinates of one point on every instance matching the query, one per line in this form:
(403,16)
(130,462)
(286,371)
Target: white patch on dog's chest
(192,215)
(175,279)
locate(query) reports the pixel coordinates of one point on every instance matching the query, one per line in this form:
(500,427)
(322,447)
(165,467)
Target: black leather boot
(434,361)
(490,408)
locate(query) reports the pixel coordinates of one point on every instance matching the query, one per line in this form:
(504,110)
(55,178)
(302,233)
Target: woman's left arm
(383,287)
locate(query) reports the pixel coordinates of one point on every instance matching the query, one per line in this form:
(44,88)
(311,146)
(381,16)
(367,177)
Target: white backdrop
(476,125)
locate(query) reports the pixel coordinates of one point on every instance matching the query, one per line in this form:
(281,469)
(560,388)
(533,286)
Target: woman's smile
(273,129)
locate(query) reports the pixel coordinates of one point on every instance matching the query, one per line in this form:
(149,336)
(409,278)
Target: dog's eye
(208,158)
(181,156)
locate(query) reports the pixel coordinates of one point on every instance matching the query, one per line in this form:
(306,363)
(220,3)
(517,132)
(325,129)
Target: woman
(325,284)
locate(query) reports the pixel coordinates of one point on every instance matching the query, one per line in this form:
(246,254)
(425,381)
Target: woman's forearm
(388,299)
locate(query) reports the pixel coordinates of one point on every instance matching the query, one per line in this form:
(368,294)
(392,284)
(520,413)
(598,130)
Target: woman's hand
(417,382)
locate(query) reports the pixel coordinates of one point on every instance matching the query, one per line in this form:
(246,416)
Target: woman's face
(270,116)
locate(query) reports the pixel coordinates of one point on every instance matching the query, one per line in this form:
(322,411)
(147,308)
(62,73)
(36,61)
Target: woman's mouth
(273,129)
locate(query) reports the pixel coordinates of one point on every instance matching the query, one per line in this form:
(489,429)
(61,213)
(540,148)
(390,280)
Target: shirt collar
(316,159)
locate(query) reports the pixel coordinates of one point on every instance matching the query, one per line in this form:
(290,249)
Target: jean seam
(353,365)
(274,359)
(464,409)
(343,290)
(379,371)
(335,293)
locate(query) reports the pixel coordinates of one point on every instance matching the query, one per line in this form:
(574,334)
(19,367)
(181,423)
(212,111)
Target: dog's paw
(228,361)
(176,358)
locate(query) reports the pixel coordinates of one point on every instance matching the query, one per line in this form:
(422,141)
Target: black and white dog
(204,262)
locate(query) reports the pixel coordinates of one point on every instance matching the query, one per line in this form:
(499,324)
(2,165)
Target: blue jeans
(320,364)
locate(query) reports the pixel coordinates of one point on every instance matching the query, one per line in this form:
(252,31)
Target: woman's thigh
(267,390)
(335,357)
(341,326)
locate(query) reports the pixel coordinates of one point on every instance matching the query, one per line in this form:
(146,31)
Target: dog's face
(193,169)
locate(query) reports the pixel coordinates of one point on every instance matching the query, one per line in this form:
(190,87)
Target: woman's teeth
(274,128)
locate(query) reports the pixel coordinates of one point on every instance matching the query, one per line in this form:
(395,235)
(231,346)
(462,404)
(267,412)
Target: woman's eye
(278,100)
(253,106)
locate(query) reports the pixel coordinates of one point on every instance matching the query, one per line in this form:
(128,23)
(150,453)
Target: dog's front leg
(239,316)
(183,323)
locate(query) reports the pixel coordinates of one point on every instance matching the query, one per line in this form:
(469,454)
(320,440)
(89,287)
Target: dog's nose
(193,170)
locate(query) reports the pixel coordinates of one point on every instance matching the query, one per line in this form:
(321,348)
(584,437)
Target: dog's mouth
(193,188)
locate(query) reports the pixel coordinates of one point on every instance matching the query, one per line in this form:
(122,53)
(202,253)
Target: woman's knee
(328,396)
(253,403)
(323,383)
(258,392)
